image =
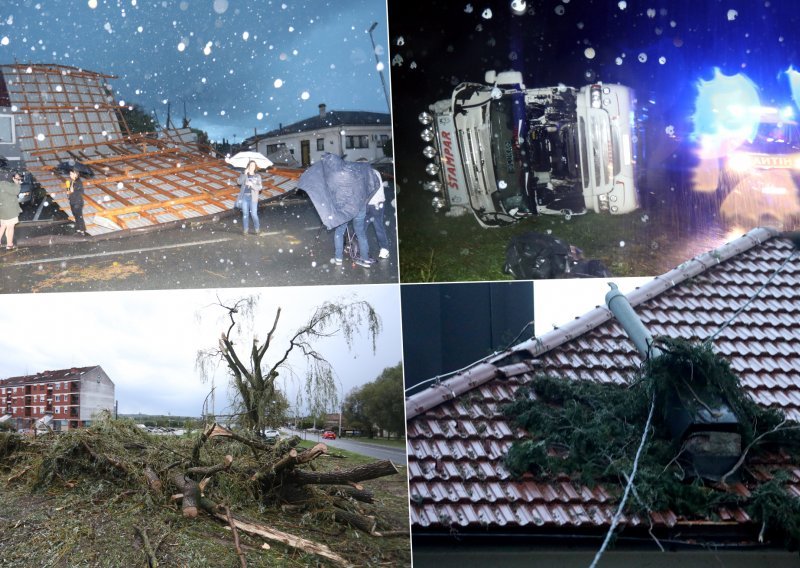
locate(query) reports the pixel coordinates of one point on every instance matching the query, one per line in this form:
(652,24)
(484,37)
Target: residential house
(70,397)
(356,135)
(466,508)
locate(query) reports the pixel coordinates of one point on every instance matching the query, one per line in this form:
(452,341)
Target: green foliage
(591,432)
(378,403)
(582,422)
(769,505)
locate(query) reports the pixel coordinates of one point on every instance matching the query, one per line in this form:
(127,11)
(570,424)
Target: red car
(328,435)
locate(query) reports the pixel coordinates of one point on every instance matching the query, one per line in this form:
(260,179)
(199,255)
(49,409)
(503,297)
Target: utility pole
(379,65)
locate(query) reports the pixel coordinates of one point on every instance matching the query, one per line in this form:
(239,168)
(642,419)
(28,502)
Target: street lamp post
(341,408)
(378,64)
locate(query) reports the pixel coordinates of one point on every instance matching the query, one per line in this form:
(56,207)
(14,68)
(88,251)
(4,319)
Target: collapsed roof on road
(64,113)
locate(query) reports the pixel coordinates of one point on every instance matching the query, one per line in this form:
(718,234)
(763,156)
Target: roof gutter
(486,369)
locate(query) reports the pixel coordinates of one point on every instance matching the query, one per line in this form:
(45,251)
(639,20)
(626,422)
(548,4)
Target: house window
(58,398)
(353,142)
(320,144)
(272,148)
(384,139)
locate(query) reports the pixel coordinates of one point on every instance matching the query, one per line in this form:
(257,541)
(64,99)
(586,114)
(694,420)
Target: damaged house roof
(64,113)
(48,376)
(458,434)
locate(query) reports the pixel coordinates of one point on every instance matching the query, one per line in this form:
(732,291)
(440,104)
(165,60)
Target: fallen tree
(220,474)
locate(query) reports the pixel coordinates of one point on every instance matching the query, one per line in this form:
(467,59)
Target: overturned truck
(504,152)
(50,114)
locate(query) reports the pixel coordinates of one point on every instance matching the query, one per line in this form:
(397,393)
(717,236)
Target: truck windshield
(507,116)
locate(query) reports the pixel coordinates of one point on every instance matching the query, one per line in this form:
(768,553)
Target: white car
(272,434)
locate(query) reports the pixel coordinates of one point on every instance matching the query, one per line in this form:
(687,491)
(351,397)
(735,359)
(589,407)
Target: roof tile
(456,448)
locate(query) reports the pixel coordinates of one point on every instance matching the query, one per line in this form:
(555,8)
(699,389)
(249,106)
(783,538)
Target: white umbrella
(241,160)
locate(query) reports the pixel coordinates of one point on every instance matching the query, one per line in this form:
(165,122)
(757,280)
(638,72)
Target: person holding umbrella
(75,193)
(250,187)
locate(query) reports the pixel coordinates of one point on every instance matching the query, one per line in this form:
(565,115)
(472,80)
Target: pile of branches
(217,471)
(590,432)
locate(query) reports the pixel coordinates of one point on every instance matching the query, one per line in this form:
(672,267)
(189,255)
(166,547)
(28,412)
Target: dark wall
(448,326)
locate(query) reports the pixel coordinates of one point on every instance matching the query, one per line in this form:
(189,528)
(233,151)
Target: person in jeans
(250,187)
(360,227)
(375,217)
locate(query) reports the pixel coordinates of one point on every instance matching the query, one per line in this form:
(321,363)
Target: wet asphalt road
(377,451)
(294,249)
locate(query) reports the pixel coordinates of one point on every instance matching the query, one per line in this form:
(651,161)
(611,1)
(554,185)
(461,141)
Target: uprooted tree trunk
(281,482)
(282,479)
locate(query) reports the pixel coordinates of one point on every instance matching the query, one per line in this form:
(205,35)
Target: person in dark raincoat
(340,191)
(75,193)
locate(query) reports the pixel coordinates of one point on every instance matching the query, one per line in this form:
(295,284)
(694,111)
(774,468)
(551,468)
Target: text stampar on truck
(506,152)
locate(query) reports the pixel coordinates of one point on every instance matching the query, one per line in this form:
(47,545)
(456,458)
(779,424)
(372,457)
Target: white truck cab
(504,151)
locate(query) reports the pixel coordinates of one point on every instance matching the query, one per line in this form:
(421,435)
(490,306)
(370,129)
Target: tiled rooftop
(458,436)
(47,376)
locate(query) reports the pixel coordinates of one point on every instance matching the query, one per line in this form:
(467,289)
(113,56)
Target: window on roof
(353,142)
(320,144)
(6,129)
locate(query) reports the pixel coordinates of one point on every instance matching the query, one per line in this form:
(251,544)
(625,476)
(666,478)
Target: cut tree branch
(345,476)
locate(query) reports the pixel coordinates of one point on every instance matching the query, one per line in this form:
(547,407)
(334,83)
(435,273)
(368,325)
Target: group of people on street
(354,190)
(367,202)
(10,182)
(9,206)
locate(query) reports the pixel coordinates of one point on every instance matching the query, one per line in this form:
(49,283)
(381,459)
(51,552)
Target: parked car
(272,434)
(328,435)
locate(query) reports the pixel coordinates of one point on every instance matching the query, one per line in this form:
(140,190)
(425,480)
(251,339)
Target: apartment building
(65,399)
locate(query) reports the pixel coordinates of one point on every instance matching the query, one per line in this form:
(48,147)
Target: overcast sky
(557,302)
(147,341)
(239,65)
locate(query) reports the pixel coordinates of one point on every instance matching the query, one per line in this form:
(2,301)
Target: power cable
(750,300)
(438,378)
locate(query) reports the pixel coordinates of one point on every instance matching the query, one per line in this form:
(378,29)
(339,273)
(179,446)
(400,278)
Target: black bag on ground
(536,256)
(588,269)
